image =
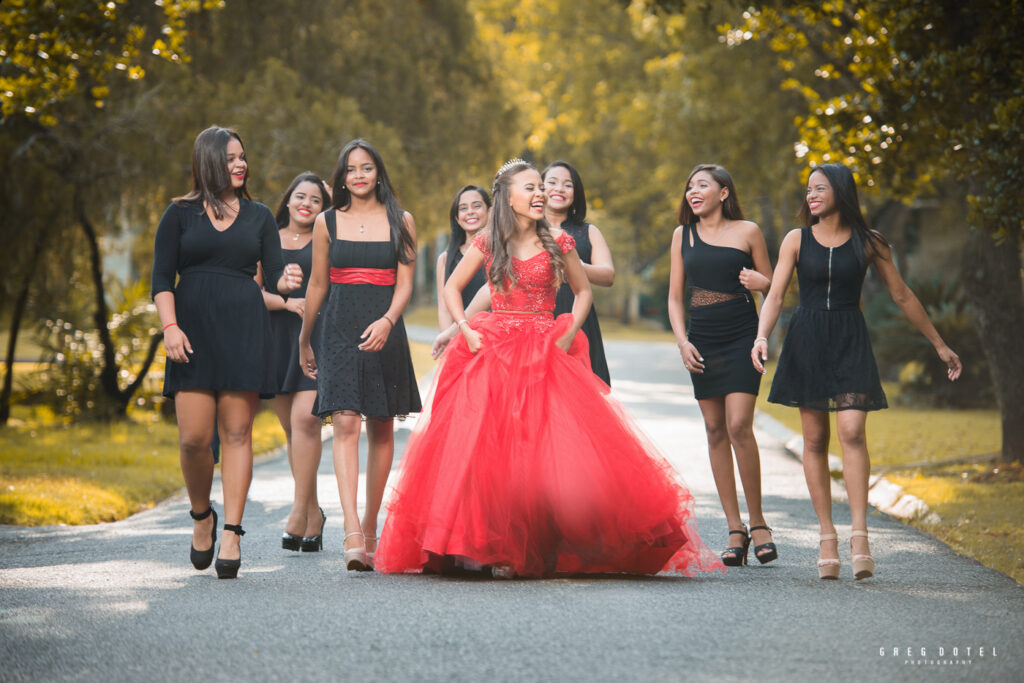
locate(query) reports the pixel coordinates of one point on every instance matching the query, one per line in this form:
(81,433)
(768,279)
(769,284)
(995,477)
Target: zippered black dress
(377,384)
(722,317)
(826,362)
(565,299)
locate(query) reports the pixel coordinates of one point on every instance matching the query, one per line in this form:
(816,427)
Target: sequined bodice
(535,287)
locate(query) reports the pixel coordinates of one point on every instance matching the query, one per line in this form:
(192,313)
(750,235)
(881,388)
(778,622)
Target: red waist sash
(363,276)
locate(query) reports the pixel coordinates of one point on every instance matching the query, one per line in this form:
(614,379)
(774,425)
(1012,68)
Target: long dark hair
(730,207)
(844,187)
(578,208)
(210,174)
(282,216)
(503,226)
(457,236)
(405,245)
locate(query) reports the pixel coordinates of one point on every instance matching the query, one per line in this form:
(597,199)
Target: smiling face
(821,197)
(526,195)
(559,188)
(360,173)
(238,168)
(471,214)
(704,194)
(305,203)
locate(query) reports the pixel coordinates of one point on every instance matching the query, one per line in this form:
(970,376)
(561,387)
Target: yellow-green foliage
(58,473)
(981,520)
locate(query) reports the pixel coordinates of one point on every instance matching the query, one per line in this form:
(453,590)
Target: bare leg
(739,415)
(819,484)
(235,413)
(381,434)
(197,418)
(346,467)
(305,460)
(720,455)
(282,407)
(852,428)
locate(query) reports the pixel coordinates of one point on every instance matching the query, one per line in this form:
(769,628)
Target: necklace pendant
(362,228)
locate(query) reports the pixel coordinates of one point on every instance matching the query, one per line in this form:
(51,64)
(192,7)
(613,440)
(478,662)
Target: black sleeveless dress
(377,384)
(478,280)
(284,330)
(565,299)
(722,317)
(826,362)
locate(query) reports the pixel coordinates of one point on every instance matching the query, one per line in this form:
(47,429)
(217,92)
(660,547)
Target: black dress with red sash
(371,383)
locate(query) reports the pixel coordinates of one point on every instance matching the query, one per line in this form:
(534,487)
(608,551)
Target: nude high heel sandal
(828,568)
(355,558)
(863,565)
(371,554)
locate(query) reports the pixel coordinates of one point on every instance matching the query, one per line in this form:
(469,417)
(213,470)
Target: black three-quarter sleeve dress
(722,317)
(285,327)
(375,384)
(565,299)
(826,361)
(218,305)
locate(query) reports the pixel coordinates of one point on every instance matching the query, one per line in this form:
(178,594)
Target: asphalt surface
(120,602)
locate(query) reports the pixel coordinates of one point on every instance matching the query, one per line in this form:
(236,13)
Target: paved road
(120,602)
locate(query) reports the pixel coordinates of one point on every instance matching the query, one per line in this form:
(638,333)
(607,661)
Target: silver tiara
(508,165)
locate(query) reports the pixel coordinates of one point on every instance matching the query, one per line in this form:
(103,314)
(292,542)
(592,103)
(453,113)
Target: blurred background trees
(101,103)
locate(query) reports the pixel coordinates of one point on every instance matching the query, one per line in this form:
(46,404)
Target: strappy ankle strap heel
(863,565)
(201,559)
(371,554)
(355,558)
(736,556)
(228,569)
(314,544)
(773,552)
(828,568)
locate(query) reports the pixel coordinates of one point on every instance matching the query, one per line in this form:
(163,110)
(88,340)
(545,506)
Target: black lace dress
(826,361)
(377,384)
(284,330)
(722,317)
(565,299)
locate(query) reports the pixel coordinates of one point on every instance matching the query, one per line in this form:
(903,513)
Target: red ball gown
(523,460)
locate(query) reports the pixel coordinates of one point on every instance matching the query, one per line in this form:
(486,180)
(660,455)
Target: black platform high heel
(736,556)
(312,544)
(228,569)
(773,553)
(201,559)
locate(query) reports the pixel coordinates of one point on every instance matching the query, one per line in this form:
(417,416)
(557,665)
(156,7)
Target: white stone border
(882,493)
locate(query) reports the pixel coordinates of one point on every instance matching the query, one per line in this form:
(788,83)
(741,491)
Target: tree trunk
(20,303)
(992,275)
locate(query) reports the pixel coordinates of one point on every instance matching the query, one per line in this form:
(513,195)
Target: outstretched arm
(912,308)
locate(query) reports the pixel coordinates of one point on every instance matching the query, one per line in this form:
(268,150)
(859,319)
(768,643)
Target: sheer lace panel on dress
(706,297)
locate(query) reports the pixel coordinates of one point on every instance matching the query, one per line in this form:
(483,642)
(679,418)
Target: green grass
(54,472)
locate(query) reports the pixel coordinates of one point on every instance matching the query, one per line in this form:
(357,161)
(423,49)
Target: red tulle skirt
(524,460)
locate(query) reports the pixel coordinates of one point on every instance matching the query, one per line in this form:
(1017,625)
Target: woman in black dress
(724,259)
(364,251)
(567,209)
(216,331)
(826,364)
(468,215)
(303,201)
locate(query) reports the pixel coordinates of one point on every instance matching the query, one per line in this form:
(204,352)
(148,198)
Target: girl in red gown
(523,462)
